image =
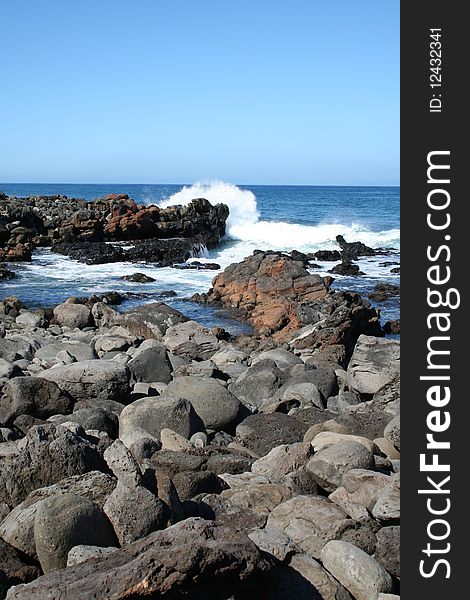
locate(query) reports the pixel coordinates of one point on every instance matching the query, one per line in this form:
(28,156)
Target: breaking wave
(244,223)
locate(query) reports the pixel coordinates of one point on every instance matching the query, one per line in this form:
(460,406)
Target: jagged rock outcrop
(79,228)
(280,297)
(353,250)
(267,289)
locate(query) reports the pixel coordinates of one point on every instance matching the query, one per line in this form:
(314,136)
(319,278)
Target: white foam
(290,236)
(371,266)
(60,272)
(244,223)
(242,203)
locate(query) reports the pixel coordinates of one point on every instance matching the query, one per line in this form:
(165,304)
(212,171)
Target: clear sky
(175,91)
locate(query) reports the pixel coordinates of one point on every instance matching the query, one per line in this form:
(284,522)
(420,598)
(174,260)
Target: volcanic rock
(15,568)
(80,229)
(138,278)
(47,456)
(310,521)
(374,363)
(353,250)
(346,268)
(151,365)
(267,289)
(145,418)
(72,315)
(190,558)
(91,379)
(360,574)
(384,291)
(263,432)
(32,396)
(152,320)
(215,405)
(81,522)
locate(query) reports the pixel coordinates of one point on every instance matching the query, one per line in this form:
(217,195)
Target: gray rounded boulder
(283,358)
(258,383)
(79,351)
(72,315)
(329,464)
(217,407)
(96,418)
(324,379)
(357,571)
(392,432)
(145,418)
(65,521)
(91,379)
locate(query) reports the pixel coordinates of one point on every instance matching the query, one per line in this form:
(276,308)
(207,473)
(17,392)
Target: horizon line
(201,182)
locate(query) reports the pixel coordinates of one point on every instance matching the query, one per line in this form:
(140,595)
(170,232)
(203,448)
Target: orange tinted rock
(267,289)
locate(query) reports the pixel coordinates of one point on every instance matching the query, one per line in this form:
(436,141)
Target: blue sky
(160,91)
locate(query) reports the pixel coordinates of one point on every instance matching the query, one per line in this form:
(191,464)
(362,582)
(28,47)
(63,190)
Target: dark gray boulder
(145,418)
(324,379)
(224,512)
(91,418)
(151,365)
(217,406)
(387,551)
(262,432)
(138,278)
(258,383)
(15,568)
(91,379)
(169,462)
(32,396)
(46,457)
(9,350)
(134,512)
(152,320)
(189,484)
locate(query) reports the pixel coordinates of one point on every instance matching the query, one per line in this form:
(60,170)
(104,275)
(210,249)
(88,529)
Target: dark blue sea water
(305,218)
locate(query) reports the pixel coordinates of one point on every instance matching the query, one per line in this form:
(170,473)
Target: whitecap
(244,224)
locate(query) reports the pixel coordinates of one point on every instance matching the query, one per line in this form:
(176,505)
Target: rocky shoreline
(110,229)
(143,455)
(185,462)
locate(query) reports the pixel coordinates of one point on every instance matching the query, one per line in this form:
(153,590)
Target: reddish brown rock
(267,289)
(16,253)
(132,223)
(286,303)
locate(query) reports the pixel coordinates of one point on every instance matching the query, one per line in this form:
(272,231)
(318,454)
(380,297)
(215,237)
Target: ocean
(305,218)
